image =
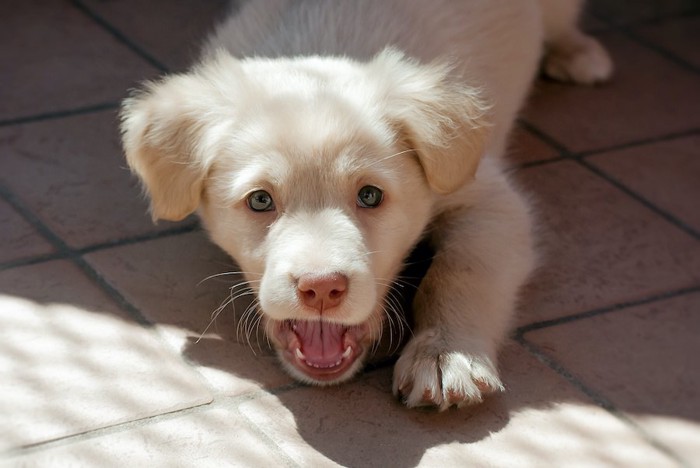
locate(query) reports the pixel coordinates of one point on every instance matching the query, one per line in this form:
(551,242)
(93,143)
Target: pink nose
(322,292)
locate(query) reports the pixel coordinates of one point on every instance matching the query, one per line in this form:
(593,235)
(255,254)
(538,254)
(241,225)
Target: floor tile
(77,371)
(540,421)
(60,60)
(666,173)
(628,11)
(526,148)
(182,25)
(679,36)
(649,96)
(71,361)
(166,280)
(71,173)
(18,239)
(644,360)
(599,247)
(211,438)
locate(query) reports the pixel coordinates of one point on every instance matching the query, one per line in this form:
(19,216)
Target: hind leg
(571,55)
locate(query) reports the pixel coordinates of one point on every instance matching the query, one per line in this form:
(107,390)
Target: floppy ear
(163,134)
(443,120)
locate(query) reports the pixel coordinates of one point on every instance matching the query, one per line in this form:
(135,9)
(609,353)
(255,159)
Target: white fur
(313,100)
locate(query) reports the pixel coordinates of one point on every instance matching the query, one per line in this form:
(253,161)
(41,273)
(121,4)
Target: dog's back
(469,33)
(337,137)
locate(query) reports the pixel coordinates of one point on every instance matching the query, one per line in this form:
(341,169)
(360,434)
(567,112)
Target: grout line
(33,260)
(106,430)
(75,255)
(174,231)
(659,50)
(222,402)
(66,252)
(639,198)
(565,153)
(219,402)
(559,369)
(563,150)
(60,114)
(111,291)
(537,163)
(269,441)
(521,331)
(579,158)
(98,432)
(627,30)
(598,399)
(119,36)
(646,141)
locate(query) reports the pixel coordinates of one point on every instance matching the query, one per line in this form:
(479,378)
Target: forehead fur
(320,113)
(301,103)
(313,169)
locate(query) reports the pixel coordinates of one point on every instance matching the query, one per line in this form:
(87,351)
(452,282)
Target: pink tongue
(321,342)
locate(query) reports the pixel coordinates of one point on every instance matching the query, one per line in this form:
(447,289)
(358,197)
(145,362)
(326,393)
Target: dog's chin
(320,352)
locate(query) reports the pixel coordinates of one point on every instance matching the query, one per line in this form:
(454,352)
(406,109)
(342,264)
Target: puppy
(319,141)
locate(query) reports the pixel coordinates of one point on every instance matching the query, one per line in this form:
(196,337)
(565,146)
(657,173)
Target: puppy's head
(317,175)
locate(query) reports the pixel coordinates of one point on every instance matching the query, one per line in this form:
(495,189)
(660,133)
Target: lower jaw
(322,376)
(283,338)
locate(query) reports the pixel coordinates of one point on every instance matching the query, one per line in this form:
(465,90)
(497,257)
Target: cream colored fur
(311,101)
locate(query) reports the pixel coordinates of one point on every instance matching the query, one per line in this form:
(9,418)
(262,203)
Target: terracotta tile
(666,173)
(599,247)
(211,438)
(72,174)
(680,37)
(540,421)
(627,11)
(525,148)
(60,60)
(644,360)
(71,361)
(164,279)
(649,96)
(172,32)
(18,239)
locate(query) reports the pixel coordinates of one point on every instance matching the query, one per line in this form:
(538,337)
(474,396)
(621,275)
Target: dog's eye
(260,200)
(369,197)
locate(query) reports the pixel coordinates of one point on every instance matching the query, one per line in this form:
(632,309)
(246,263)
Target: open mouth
(323,351)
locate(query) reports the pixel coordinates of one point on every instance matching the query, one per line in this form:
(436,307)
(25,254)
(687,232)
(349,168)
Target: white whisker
(226,273)
(386,158)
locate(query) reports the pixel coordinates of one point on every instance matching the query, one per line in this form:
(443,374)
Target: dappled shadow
(355,424)
(83,352)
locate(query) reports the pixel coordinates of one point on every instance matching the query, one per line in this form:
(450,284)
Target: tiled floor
(101,311)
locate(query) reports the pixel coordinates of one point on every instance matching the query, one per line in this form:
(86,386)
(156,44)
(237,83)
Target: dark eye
(369,197)
(260,200)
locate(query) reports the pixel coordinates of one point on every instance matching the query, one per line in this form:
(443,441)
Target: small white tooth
(347,353)
(299,354)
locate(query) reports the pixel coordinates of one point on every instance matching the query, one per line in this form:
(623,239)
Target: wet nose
(322,292)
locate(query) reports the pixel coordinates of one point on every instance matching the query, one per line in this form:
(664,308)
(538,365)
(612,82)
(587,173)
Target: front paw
(431,373)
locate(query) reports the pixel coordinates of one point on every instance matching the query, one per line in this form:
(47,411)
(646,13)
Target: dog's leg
(464,305)
(571,55)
